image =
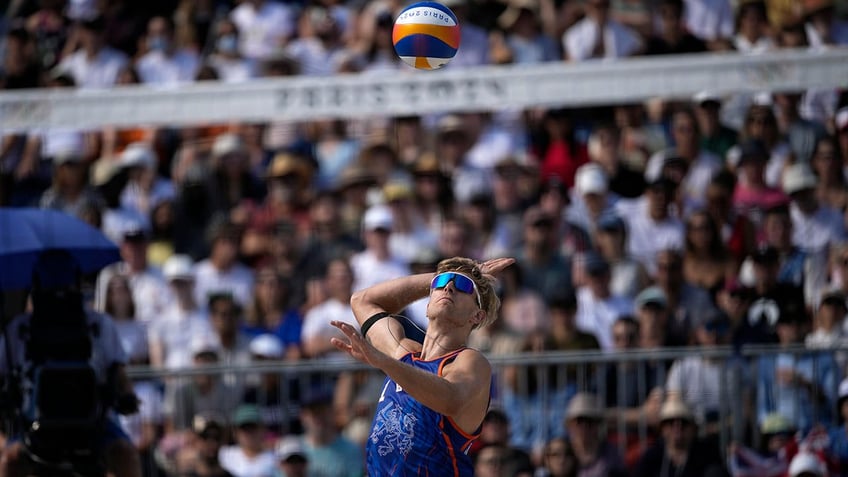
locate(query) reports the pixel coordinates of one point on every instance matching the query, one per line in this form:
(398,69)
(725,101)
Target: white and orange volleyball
(426,35)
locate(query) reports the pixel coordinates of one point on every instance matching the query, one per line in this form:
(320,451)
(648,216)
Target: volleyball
(426,35)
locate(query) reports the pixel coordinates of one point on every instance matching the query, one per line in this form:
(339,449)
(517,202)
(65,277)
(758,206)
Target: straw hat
(584,405)
(675,408)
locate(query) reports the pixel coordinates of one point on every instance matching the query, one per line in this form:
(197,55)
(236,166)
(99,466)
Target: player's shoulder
(472,358)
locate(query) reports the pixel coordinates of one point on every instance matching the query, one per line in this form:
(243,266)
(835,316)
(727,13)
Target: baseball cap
(378,217)
(798,177)
(266,346)
(134,231)
(703,97)
(178,267)
(806,462)
(591,179)
(652,295)
(138,154)
(247,414)
(290,447)
(595,264)
(228,143)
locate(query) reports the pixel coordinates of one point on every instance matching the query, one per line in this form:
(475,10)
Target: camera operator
(65,365)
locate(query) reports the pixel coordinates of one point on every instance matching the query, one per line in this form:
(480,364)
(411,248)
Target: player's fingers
(340,344)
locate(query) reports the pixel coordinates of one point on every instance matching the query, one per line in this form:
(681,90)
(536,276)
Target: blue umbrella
(26,232)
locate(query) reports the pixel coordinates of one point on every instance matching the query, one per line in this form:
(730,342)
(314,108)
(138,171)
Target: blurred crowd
(715,220)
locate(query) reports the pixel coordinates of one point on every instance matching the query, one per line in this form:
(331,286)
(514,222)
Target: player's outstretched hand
(496,265)
(356,346)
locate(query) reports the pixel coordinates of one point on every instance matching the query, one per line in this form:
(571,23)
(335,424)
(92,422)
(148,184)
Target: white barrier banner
(485,88)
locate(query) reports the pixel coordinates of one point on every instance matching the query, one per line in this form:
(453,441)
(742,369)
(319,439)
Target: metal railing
(534,388)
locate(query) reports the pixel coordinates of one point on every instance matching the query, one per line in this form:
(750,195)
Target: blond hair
(485,285)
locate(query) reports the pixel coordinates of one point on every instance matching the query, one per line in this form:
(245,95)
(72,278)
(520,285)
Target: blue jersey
(409,439)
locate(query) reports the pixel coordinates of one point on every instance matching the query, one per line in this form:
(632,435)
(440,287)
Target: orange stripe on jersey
(449,35)
(450,448)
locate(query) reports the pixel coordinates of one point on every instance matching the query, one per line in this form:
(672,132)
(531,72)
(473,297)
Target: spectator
(226,58)
(737,231)
(753,196)
(752,29)
(232,180)
(291,458)
(711,21)
(226,316)
(760,124)
(70,191)
(627,275)
(121,307)
(673,37)
(473,38)
(165,61)
(525,38)
(492,461)
(543,267)
(267,394)
(679,452)
(523,309)
(21,67)
(409,230)
(222,272)
(317,331)
(687,304)
(814,224)
(318,46)
(591,198)
(698,165)
(770,299)
(201,393)
(265,26)
(554,201)
(822,26)
(432,194)
(595,456)
(826,162)
(329,454)
(829,324)
(377,55)
(651,226)
(94,64)
(706,262)
(564,334)
(697,380)
(454,238)
(598,36)
(597,307)
(604,147)
(376,263)
(182,320)
(495,430)
(270,312)
(149,290)
(801,133)
(555,145)
(558,459)
(716,138)
(248,458)
(200,457)
(655,320)
(779,443)
(799,386)
(144,189)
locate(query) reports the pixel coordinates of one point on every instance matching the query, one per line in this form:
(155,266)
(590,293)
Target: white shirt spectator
(697,381)
(234,461)
(368,270)
(150,292)
(814,232)
(316,323)
(155,67)
(264,31)
(237,281)
(596,316)
(619,41)
(763,44)
(141,201)
(232,70)
(314,58)
(709,19)
(133,336)
(838,34)
(173,334)
(494,144)
(98,72)
(645,236)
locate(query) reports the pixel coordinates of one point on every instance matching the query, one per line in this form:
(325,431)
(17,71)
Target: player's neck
(438,343)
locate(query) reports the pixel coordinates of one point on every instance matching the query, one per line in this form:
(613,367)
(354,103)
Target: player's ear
(478,317)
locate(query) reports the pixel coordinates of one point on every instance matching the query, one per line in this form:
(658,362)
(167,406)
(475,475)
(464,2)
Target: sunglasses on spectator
(461,282)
